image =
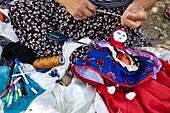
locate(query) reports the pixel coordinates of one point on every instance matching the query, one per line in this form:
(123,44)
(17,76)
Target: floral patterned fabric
(33,19)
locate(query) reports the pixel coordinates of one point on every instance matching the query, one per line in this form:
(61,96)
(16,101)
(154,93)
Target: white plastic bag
(0,52)
(6,29)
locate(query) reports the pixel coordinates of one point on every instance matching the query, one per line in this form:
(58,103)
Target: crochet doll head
(118,37)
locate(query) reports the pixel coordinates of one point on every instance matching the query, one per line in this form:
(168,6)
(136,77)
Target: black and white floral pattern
(33,19)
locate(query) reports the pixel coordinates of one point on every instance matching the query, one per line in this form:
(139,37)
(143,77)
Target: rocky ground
(157,27)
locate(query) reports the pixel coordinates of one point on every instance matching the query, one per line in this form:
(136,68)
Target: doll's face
(120,36)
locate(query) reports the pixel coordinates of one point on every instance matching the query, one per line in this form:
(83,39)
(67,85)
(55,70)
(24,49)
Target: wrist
(146,4)
(62,2)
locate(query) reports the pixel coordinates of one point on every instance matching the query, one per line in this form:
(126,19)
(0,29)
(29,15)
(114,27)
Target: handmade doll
(114,62)
(117,39)
(129,80)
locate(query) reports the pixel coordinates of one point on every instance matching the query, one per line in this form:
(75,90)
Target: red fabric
(115,43)
(152,96)
(164,74)
(124,58)
(117,102)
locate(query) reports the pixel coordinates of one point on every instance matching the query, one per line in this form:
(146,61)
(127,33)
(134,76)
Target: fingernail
(76,18)
(127,14)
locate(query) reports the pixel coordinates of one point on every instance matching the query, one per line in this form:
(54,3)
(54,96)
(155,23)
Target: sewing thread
(48,62)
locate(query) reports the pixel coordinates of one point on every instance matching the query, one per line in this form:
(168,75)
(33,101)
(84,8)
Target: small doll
(123,76)
(119,53)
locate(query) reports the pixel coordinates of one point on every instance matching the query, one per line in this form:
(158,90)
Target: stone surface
(157,19)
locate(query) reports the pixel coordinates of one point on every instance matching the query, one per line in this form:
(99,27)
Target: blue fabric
(4,75)
(23,103)
(101,61)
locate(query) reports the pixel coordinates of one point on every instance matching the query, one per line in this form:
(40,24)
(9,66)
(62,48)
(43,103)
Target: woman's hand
(133,16)
(79,9)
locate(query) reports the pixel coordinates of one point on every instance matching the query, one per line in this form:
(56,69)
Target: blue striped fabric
(112,3)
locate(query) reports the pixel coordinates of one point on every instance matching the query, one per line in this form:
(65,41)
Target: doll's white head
(120,35)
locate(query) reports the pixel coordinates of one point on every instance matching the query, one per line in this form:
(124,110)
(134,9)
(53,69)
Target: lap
(32,21)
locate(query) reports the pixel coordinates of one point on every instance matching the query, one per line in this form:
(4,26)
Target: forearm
(62,2)
(147,4)
(79,9)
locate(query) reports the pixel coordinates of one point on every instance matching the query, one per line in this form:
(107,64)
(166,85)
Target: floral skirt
(32,20)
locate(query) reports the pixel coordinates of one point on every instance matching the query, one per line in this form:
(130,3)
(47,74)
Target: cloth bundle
(15,50)
(148,85)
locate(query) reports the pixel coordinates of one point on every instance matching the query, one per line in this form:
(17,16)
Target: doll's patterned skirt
(32,20)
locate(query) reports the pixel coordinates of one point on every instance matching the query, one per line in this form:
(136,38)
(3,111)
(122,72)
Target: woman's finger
(78,18)
(91,7)
(138,16)
(80,14)
(87,13)
(130,23)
